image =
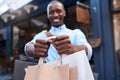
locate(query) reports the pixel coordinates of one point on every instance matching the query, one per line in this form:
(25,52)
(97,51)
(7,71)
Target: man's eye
(58,11)
(51,12)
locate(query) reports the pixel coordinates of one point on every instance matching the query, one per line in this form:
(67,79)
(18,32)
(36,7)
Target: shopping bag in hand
(45,71)
(80,61)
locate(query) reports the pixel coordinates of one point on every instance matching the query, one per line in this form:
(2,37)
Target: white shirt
(76,36)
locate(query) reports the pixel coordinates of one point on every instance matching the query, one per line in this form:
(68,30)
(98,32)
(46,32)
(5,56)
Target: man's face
(56,14)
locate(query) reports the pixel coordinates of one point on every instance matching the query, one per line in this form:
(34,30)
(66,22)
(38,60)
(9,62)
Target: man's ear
(64,13)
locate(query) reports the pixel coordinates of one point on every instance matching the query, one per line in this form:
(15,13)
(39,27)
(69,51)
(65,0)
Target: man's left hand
(63,45)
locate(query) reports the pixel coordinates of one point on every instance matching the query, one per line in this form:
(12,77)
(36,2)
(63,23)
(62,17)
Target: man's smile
(56,20)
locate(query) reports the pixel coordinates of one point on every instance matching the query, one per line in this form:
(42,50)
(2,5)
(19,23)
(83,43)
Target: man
(66,42)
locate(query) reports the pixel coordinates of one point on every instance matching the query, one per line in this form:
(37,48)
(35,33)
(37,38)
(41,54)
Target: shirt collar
(57,28)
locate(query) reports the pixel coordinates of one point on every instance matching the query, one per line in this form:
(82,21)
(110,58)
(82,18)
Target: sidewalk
(7,76)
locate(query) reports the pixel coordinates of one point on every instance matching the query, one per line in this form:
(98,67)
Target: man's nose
(55,14)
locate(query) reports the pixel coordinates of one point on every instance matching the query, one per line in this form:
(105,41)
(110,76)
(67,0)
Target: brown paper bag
(31,73)
(46,71)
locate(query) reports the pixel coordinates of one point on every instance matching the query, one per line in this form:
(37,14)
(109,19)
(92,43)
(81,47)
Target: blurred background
(20,20)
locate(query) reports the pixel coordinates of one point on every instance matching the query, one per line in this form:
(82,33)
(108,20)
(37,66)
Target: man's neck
(58,26)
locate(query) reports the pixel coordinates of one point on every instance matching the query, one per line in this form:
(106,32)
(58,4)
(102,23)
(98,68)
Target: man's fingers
(41,41)
(39,45)
(62,42)
(61,37)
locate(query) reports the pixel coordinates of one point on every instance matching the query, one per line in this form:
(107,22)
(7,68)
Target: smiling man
(67,41)
(56,13)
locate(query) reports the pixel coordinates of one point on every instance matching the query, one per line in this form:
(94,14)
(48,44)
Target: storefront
(101,29)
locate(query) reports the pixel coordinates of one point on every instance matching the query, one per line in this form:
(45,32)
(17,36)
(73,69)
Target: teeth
(56,20)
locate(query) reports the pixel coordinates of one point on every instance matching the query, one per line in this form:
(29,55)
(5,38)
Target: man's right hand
(41,48)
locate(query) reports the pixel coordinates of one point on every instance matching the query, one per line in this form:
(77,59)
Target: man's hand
(63,45)
(41,48)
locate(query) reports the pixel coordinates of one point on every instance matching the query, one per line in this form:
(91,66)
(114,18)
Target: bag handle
(48,34)
(42,59)
(60,59)
(58,62)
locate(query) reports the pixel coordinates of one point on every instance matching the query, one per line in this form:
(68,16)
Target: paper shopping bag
(81,62)
(77,68)
(19,67)
(73,73)
(47,71)
(31,73)
(50,72)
